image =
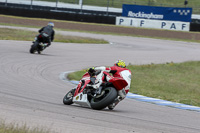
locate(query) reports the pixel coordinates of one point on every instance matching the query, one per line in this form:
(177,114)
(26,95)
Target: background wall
(68,14)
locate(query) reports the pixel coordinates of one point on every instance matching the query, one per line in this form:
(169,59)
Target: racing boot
(121,96)
(112,105)
(44,46)
(122,93)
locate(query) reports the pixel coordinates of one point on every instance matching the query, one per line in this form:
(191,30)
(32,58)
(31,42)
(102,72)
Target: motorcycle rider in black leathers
(48,33)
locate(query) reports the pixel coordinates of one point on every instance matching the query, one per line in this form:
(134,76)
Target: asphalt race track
(31,91)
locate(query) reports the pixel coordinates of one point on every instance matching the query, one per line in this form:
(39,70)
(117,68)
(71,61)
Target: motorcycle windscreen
(119,83)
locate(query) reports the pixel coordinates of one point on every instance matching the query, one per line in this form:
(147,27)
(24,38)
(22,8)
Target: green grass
(195,4)
(76,75)
(13,34)
(96,32)
(15,128)
(177,82)
(97,41)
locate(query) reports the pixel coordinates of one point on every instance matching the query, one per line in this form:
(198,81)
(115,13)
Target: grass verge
(101,41)
(101,28)
(15,128)
(13,34)
(177,82)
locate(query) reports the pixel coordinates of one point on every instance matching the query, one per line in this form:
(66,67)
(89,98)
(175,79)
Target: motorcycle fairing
(81,86)
(119,83)
(81,99)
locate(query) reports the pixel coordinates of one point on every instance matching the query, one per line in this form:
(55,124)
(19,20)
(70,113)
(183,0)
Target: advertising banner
(157,13)
(156,24)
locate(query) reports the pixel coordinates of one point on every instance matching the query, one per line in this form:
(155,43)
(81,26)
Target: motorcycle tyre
(33,48)
(66,100)
(107,100)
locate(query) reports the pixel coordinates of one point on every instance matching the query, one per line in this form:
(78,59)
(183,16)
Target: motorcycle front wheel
(108,96)
(67,100)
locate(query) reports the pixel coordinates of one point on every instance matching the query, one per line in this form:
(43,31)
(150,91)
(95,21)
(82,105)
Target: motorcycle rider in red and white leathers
(118,70)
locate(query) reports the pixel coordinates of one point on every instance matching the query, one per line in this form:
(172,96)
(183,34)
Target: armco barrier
(52,13)
(65,14)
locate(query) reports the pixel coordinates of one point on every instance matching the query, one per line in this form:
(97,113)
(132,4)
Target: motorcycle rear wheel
(67,100)
(106,99)
(33,48)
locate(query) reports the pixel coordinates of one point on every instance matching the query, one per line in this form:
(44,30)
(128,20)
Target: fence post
(31,4)
(81,4)
(6,2)
(56,4)
(107,6)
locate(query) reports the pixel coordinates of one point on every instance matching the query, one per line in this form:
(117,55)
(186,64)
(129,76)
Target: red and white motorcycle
(94,92)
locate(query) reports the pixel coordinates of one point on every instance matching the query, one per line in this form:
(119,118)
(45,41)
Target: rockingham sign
(168,18)
(143,15)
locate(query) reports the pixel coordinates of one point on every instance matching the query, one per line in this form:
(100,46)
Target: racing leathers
(47,33)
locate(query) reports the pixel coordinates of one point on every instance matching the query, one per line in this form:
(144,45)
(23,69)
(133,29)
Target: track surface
(31,91)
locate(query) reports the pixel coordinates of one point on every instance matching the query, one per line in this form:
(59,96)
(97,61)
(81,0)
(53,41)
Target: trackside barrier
(57,15)
(73,15)
(168,18)
(156,24)
(157,13)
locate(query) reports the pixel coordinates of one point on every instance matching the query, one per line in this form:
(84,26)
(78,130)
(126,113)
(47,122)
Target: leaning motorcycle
(39,44)
(92,91)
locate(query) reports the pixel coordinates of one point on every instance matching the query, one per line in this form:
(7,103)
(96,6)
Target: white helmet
(51,24)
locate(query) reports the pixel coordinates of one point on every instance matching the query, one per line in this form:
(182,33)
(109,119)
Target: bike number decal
(77,97)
